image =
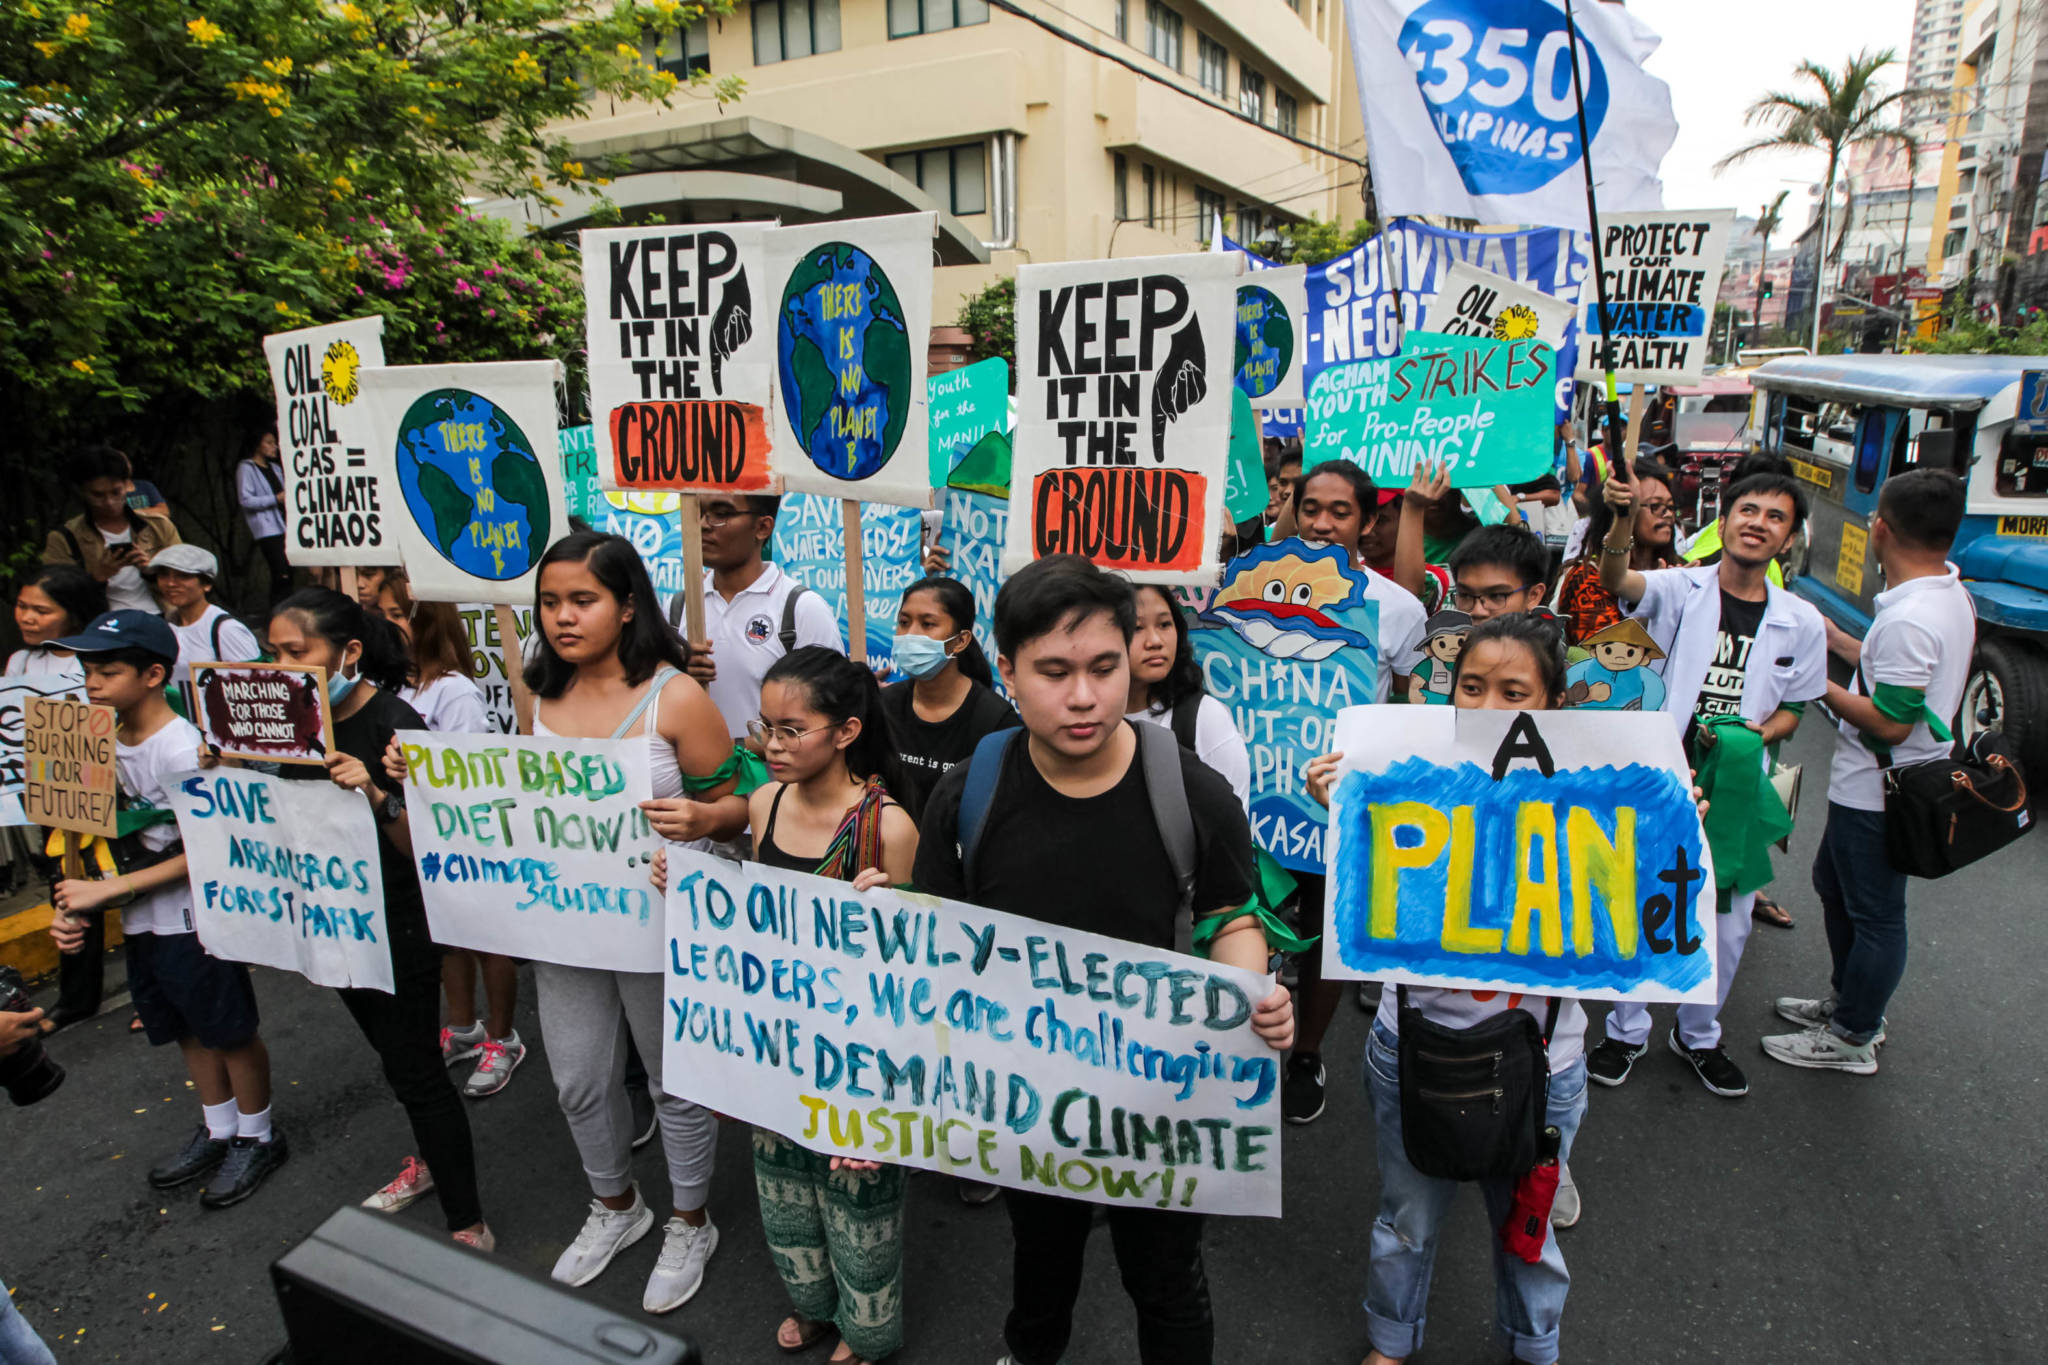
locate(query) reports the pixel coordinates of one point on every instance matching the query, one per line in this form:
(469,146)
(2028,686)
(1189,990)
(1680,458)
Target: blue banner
(972,533)
(810,543)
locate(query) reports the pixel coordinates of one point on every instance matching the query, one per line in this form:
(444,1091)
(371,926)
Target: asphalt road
(1901,1216)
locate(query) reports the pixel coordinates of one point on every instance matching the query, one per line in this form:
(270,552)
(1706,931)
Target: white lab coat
(1681,608)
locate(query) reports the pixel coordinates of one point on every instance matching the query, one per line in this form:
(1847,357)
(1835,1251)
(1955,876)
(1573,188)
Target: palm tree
(1767,222)
(1848,111)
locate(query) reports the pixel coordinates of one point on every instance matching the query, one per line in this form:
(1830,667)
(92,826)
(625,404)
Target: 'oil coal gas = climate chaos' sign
(286,874)
(1663,279)
(1123,413)
(1547,852)
(273,713)
(536,847)
(888,1026)
(681,358)
(338,505)
(68,775)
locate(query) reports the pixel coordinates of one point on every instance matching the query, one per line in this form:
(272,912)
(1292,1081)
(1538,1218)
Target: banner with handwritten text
(810,544)
(487,664)
(14,695)
(972,533)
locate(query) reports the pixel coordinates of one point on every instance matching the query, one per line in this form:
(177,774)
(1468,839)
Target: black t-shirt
(927,748)
(1094,863)
(1721,692)
(1546,483)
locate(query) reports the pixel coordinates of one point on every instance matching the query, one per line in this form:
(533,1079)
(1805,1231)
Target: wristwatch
(389,809)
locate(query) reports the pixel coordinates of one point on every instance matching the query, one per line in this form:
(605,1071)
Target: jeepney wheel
(2008,691)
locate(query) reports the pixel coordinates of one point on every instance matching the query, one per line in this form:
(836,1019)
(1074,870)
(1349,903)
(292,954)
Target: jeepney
(1849,422)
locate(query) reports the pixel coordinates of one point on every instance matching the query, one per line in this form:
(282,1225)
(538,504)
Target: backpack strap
(218,622)
(1186,712)
(77,552)
(1166,785)
(647,699)
(788,632)
(984,767)
(675,608)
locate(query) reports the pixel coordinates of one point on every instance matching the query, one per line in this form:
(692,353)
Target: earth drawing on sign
(473,483)
(843,353)
(1265,341)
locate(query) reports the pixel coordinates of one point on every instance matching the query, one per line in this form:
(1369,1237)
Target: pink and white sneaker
(461,1044)
(501,1057)
(414,1180)
(478,1237)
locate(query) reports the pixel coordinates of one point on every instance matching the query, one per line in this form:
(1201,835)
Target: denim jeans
(19,1344)
(1699,1026)
(1864,902)
(1528,1299)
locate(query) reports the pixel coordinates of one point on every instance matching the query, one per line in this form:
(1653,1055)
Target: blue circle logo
(1497,77)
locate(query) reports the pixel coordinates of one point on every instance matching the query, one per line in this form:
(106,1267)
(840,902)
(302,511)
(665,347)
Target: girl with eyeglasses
(946,701)
(1589,608)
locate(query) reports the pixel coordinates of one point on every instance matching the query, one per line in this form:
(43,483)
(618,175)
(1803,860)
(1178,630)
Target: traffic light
(1770,287)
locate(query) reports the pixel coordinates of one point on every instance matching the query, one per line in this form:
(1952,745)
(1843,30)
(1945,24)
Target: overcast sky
(1720,55)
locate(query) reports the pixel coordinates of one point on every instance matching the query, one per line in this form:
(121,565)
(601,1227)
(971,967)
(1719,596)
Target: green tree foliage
(1314,241)
(990,321)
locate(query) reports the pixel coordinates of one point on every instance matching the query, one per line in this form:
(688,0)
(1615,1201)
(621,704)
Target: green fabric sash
(1744,815)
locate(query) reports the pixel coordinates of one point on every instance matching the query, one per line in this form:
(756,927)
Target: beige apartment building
(1039,131)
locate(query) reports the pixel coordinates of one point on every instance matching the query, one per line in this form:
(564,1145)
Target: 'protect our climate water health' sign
(1547,852)
(894,1027)
(536,847)
(1663,278)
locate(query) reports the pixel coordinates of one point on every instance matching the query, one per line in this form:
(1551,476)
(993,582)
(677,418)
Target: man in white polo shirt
(1910,671)
(747,608)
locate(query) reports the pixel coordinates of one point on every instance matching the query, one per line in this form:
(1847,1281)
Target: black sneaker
(248,1165)
(1368,996)
(199,1155)
(1714,1068)
(1301,1088)
(645,1121)
(975,1192)
(1609,1063)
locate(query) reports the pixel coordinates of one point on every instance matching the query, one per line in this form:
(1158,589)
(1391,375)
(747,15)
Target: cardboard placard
(1272,336)
(339,506)
(271,713)
(968,406)
(1473,302)
(15,693)
(69,779)
(1663,279)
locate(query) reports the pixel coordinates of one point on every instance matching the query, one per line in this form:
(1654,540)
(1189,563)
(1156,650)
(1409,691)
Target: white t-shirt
(1921,637)
(195,642)
(746,639)
(43,659)
(127,590)
(451,704)
(1463,1009)
(1402,620)
(145,772)
(1217,743)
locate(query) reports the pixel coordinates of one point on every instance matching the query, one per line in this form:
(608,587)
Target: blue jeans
(1528,1299)
(19,1344)
(1864,902)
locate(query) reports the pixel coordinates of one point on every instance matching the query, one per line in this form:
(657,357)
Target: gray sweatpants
(584,1015)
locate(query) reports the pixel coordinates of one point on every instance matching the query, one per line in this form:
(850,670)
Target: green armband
(1797,708)
(1908,706)
(742,766)
(1278,935)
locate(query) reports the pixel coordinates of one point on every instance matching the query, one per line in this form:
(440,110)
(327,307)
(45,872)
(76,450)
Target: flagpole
(1615,447)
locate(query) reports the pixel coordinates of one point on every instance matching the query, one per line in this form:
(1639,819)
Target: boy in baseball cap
(183,576)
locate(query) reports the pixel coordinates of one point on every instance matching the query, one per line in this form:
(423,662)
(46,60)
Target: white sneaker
(461,1044)
(1821,1049)
(605,1234)
(500,1058)
(679,1271)
(1565,1208)
(414,1180)
(1817,1014)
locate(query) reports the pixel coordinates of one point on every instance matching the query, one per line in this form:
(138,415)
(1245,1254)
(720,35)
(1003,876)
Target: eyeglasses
(719,516)
(763,734)
(1495,599)
(1657,508)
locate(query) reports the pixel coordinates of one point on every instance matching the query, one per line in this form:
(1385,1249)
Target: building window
(680,52)
(1212,65)
(1251,94)
(1208,212)
(955,177)
(787,29)
(1121,173)
(908,18)
(1952,245)
(1150,175)
(1287,112)
(1162,34)
(1250,223)
(1123,21)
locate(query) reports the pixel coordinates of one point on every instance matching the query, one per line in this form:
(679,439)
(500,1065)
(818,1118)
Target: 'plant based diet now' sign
(536,847)
(902,1028)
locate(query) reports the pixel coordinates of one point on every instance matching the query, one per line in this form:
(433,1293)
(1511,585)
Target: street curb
(26,946)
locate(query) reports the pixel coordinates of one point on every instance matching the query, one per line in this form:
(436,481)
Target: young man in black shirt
(1069,838)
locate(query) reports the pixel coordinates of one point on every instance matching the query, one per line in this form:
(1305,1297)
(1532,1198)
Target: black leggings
(405,1029)
(280,570)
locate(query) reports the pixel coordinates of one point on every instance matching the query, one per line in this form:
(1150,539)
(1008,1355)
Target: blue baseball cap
(128,629)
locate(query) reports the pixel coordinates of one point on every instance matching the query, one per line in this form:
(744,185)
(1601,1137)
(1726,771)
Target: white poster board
(339,507)
(1663,279)
(286,874)
(1479,303)
(476,474)
(1272,335)
(851,328)
(903,1028)
(1124,380)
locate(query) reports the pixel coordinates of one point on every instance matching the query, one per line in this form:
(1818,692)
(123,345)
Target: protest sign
(1479,406)
(15,693)
(1289,639)
(68,776)
(287,875)
(1478,303)
(536,847)
(1244,487)
(1663,278)
(895,1027)
(339,506)
(853,315)
(681,366)
(968,405)
(487,659)
(473,457)
(810,545)
(271,713)
(1547,852)
(652,521)
(1123,414)
(580,493)
(972,532)
(1271,307)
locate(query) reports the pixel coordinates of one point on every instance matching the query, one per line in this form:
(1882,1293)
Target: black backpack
(787,634)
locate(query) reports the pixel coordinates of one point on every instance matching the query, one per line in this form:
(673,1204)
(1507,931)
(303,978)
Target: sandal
(1768,911)
(135,1023)
(808,1333)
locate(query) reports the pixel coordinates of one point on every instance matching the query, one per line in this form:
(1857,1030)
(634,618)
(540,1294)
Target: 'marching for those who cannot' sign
(1123,414)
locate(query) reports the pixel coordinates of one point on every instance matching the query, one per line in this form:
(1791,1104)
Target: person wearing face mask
(1166,689)
(947,700)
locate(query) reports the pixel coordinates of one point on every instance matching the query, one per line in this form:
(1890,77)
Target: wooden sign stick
(348,580)
(73,867)
(515,667)
(1635,425)
(693,571)
(856,599)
